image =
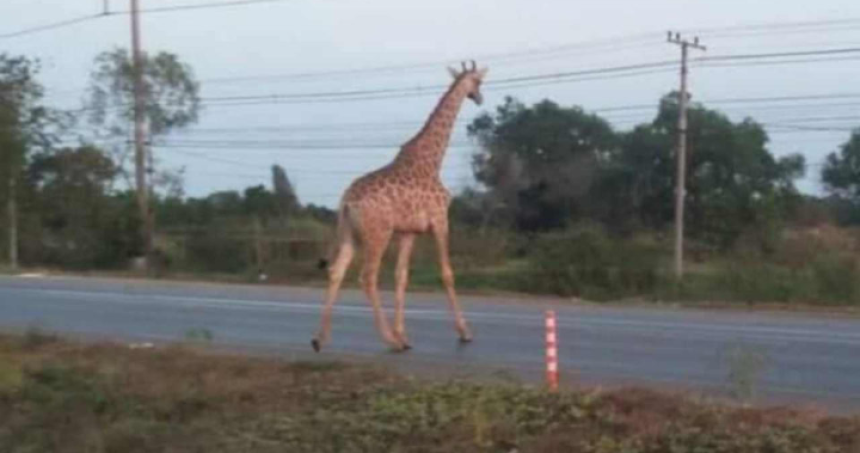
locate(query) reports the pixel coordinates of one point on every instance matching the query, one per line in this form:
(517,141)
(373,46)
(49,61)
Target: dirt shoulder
(65,396)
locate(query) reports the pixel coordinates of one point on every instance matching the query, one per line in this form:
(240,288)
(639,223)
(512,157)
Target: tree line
(540,169)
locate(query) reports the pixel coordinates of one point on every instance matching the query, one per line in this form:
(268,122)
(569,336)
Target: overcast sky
(282,38)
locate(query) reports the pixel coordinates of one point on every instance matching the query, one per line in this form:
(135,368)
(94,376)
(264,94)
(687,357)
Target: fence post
(551,351)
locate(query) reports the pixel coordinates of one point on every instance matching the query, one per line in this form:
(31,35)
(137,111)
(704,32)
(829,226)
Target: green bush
(826,280)
(588,263)
(211,252)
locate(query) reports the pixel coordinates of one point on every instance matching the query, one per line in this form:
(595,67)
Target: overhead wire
(53,25)
(108,13)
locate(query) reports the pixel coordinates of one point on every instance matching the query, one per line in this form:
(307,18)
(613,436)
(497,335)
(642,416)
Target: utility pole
(12,216)
(680,181)
(140,159)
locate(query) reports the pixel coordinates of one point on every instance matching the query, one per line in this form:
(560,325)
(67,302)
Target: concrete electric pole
(680,182)
(140,159)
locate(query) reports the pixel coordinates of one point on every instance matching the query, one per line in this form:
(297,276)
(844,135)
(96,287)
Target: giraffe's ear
(453,72)
(483,71)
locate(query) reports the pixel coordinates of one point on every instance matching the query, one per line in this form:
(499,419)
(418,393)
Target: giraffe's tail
(342,233)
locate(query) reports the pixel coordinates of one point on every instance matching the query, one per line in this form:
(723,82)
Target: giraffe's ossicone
(405,198)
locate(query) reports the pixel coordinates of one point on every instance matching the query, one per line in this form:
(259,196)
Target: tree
(24,127)
(637,183)
(285,194)
(546,166)
(80,222)
(841,172)
(170,93)
(733,183)
(259,203)
(539,162)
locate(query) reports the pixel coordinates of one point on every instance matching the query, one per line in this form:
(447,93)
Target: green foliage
(11,375)
(170,102)
(827,280)
(26,126)
(841,177)
(546,166)
(170,92)
(199,335)
(287,202)
(539,162)
(587,263)
(746,365)
(35,338)
(24,121)
(734,183)
(80,225)
(61,402)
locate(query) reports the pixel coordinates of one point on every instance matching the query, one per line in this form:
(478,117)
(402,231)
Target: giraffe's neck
(429,145)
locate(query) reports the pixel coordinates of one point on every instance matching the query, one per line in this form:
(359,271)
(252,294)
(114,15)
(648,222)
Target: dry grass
(58,396)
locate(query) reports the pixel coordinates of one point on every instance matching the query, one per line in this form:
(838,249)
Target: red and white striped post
(551,351)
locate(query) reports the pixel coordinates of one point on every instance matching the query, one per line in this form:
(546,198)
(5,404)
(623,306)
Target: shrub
(586,262)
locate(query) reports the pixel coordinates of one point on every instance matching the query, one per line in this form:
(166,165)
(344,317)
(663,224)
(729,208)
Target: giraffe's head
(472,78)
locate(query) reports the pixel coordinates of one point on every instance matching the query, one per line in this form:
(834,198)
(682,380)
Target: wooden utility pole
(140,159)
(680,181)
(12,217)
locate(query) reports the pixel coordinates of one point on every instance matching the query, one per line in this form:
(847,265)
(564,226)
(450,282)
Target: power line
(521,81)
(765,103)
(775,63)
(762,99)
(519,55)
(800,53)
(431,89)
(774,27)
(207,5)
(106,13)
(531,80)
(203,156)
(562,49)
(53,25)
(804,128)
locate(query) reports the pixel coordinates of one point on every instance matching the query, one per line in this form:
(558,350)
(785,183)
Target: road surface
(806,358)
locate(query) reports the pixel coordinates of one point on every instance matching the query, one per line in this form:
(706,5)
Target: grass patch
(198,335)
(103,398)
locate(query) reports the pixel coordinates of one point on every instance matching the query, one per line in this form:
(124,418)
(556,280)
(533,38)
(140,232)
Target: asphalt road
(805,358)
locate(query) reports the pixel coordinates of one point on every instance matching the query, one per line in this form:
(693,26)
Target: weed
(34,337)
(746,365)
(199,335)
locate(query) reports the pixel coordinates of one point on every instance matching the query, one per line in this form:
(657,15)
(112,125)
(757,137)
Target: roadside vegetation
(62,396)
(564,204)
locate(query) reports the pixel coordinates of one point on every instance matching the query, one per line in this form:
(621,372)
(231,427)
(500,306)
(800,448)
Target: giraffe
(405,199)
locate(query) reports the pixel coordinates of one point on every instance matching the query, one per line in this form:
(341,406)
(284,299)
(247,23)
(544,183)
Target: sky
(259,49)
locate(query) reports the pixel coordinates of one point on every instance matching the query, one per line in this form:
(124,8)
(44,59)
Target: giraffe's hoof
(465,340)
(402,339)
(400,347)
(316,345)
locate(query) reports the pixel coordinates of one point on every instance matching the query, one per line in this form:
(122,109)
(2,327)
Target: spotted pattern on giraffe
(404,198)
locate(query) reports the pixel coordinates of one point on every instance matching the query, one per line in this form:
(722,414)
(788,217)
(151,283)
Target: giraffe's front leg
(440,232)
(407,241)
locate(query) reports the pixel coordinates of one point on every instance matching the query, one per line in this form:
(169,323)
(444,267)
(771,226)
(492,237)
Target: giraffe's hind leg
(375,240)
(337,271)
(407,241)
